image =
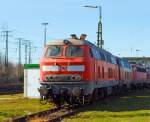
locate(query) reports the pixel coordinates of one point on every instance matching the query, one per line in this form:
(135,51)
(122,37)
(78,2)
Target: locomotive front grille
(70,77)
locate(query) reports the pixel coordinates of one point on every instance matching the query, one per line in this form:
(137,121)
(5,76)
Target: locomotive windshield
(74,51)
(54,51)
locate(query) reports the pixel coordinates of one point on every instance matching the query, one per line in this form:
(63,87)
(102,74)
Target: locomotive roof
(76,42)
(73,42)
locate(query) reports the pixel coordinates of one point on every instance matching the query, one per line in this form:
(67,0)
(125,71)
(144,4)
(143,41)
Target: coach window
(74,51)
(54,51)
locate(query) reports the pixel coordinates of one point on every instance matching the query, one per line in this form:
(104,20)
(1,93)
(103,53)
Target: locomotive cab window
(74,51)
(54,51)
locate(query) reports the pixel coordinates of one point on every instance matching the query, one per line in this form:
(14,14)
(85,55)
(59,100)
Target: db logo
(63,68)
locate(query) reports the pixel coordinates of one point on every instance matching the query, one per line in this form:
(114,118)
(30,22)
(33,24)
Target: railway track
(52,115)
(57,114)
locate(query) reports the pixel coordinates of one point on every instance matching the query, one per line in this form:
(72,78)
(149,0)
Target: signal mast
(100,41)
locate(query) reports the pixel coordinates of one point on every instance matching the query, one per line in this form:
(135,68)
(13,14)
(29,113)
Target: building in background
(144,61)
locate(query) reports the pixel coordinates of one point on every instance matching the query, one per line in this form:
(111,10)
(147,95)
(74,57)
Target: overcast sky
(126,23)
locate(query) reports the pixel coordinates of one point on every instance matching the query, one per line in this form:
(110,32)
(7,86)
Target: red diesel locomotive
(76,71)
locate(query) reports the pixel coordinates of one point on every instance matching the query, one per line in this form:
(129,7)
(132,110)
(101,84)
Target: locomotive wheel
(69,99)
(82,97)
(57,101)
(95,95)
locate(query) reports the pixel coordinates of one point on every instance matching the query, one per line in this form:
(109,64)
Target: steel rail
(34,115)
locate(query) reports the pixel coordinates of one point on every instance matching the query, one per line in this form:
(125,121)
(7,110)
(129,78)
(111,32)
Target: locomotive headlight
(50,68)
(76,77)
(77,68)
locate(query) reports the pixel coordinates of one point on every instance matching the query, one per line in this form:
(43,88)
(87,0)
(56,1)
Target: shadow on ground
(133,104)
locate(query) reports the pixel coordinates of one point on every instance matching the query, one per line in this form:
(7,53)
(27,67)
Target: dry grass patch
(15,105)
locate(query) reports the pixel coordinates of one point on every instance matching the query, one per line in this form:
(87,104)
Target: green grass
(134,107)
(15,105)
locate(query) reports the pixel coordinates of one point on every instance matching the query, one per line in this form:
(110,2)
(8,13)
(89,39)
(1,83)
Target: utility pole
(25,43)
(19,59)
(45,24)
(0,62)
(29,52)
(6,34)
(6,51)
(26,49)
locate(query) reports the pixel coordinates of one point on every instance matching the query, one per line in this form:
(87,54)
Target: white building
(31,80)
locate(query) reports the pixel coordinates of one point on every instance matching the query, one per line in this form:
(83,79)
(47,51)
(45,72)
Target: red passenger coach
(139,75)
(125,73)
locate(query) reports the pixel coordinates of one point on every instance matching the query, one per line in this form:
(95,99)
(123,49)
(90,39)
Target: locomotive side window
(91,53)
(102,56)
(108,58)
(54,51)
(96,54)
(113,60)
(120,63)
(74,51)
